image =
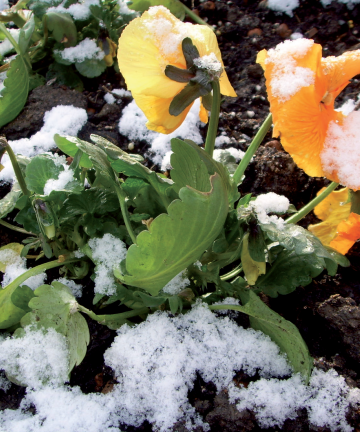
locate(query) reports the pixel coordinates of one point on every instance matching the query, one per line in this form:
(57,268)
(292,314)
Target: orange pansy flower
(340,228)
(302,88)
(149,44)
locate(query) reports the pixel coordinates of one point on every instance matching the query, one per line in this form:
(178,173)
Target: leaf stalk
(310,206)
(214,118)
(264,128)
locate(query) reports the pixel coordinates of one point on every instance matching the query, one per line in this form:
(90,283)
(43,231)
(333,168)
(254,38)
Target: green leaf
(25,35)
(14,94)
(91,201)
(187,95)
(289,271)
(175,7)
(213,167)
(67,144)
(177,239)
(91,68)
(188,167)
(39,171)
(257,244)
(252,269)
(54,306)
(65,75)
(21,297)
(282,332)
(62,27)
(7,204)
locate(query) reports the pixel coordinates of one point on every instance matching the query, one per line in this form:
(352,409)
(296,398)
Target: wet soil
(327,312)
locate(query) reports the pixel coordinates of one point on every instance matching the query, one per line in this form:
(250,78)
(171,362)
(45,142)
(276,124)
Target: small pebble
(131,146)
(255,32)
(209,5)
(296,35)
(274,144)
(283,31)
(250,114)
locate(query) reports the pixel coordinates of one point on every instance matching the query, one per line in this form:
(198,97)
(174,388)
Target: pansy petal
(147,45)
(333,204)
(348,233)
(324,231)
(339,70)
(296,86)
(207,45)
(157,112)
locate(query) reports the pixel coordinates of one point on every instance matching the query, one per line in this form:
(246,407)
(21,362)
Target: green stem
(194,17)
(307,209)
(214,118)
(240,170)
(125,214)
(37,270)
(231,274)
(16,167)
(103,319)
(15,228)
(11,39)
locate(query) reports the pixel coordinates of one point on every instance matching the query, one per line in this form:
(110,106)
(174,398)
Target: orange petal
(157,112)
(339,70)
(348,234)
(203,113)
(300,119)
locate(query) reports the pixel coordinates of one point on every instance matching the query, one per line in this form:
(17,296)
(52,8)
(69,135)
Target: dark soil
(327,312)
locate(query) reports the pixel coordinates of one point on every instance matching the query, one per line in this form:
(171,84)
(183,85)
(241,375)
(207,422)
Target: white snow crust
(106,252)
(288,78)
(341,150)
(16,266)
(270,203)
(62,119)
(38,358)
(86,49)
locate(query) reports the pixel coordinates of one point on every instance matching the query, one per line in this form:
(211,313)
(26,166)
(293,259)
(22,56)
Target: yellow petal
(332,205)
(157,112)
(207,44)
(146,46)
(332,212)
(203,113)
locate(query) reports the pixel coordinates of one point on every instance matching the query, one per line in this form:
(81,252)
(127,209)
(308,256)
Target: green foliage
(41,169)
(7,204)
(301,258)
(91,68)
(177,239)
(62,27)
(54,306)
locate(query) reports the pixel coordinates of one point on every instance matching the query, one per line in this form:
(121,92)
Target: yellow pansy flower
(302,87)
(147,46)
(340,228)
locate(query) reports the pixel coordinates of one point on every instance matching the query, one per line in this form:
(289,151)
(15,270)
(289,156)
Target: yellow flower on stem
(340,228)
(302,88)
(151,44)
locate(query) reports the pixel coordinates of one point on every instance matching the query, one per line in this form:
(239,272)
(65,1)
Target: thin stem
(240,170)
(37,270)
(11,39)
(15,228)
(194,17)
(231,274)
(125,214)
(307,209)
(214,118)
(104,319)
(15,164)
